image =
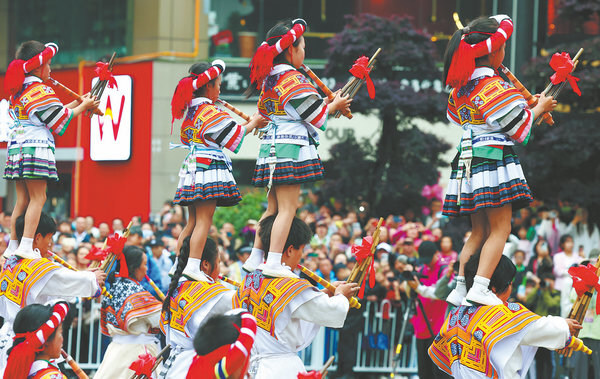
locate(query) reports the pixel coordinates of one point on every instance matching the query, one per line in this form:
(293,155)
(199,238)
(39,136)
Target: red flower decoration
(361,71)
(310,375)
(97,254)
(585,279)
(143,365)
(104,73)
(563,66)
(362,252)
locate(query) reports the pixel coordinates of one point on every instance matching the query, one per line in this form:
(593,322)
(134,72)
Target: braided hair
(209,254)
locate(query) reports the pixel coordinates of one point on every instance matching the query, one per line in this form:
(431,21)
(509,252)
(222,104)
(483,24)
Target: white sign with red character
(110,136)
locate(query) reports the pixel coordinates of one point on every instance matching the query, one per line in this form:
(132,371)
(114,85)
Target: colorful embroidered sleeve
(223,130)
(42,102)
(503,107)
(311,109)
(451,113)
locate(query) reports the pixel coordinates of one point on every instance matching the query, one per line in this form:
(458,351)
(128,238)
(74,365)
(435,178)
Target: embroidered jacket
(37,112)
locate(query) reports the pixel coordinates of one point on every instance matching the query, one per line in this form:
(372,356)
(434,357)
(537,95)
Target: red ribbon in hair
(361,71)
(463,59)
(104,73)
(262,61)
(116,244)
(15,73)
(143,365)
(232,359)
(186,87)
(563,66)
(362,252)
(585,279)
(22,355)
(97,254)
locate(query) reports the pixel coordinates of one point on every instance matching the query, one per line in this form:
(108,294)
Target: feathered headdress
(262,62)
(15,73)
(463,60)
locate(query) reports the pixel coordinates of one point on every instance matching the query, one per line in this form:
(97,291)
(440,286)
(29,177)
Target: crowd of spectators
(545,242)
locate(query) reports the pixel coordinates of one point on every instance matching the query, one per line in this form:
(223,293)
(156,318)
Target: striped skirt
(307,168)
(213,183)
(493,183)
(31,163)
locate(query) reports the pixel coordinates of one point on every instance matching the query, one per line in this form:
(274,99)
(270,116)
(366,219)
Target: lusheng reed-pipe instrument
(359,271)
(330,95)
(353,85)
(162,355)
(354,303)
(529,98)
(100,85)
(159,293)
(553,90)
(66,264)
(579,309)
(74,366)
(73,94)
(229,281)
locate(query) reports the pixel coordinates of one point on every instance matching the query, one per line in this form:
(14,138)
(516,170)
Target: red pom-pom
(462,66)
(15,76)
(261,64)
(143,365)
(182,97)
(20,360)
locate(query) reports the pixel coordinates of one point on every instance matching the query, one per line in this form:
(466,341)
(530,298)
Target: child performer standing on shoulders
(36,113)
(288,153)
(487,181)
(205,179)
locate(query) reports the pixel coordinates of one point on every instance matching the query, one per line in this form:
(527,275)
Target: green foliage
(252,206)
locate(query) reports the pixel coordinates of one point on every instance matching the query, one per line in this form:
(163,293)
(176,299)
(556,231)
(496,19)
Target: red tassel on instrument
(104,73)
(585,279)
(143,365)
(563,66)
(361,71)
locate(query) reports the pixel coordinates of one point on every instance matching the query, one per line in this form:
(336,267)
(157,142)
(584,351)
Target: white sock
(481,281)
(12,246)
(273,259)
(26,244)
(461,283)
(193,266)
(257,256)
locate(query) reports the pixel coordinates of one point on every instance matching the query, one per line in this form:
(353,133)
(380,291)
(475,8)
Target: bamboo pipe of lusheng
(330,95)
(159,293)
(353,85)
(326,367)
(66,264)
(74,366)
(359,272)
(73,94)
(100,85)
(529,98)
(354,303)
(229,281)
(237,112)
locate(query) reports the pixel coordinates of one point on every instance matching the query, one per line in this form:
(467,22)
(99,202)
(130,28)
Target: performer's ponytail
(478,30)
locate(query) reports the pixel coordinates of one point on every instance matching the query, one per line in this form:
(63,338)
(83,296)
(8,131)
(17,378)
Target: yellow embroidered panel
(19,275)
(266,298)
(190,296)
(470,333)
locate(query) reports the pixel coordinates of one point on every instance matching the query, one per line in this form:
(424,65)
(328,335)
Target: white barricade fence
(84,341)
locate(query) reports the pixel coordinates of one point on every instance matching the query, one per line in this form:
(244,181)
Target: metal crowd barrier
(85,342)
